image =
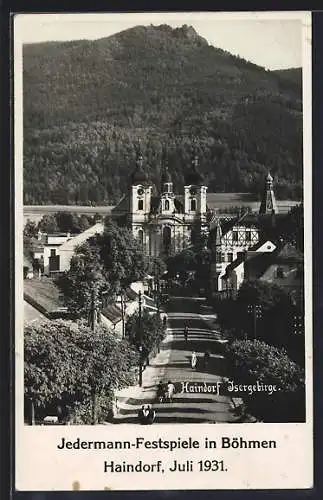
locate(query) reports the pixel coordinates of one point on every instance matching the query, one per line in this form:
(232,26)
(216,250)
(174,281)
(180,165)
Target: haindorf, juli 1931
(176,466)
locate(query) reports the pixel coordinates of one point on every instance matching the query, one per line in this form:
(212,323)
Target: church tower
(195,192)
(139,202)
(268,203)
(167,194)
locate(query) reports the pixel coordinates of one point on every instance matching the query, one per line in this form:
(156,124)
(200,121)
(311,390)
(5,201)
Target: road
(173,363)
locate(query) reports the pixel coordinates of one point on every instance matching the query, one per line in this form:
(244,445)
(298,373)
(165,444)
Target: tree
(69,365)
(251,362)
(68,222)
(105,263)
(29,238)
(48,224)
(120,255)
(151,334)
(275,306)
(84,281)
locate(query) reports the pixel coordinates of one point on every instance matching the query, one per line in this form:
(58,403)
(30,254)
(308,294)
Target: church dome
(138,176)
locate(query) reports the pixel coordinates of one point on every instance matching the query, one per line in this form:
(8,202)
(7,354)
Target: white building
(163,224)
(66,250)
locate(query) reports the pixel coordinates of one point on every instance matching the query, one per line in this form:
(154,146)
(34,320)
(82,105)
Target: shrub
(251,361)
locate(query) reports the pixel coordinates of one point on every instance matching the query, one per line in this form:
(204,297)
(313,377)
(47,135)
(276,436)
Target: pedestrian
(170,390)
(206,359)
(161,391)
(193,360)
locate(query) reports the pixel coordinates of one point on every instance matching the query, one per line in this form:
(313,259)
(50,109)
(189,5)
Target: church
(167,223)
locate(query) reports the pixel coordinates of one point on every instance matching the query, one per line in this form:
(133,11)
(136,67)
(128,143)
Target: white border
(38,464)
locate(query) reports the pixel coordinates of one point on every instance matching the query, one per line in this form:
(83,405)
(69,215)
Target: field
(216,201)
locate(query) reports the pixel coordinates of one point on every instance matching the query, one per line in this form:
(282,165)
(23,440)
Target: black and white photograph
(163,239)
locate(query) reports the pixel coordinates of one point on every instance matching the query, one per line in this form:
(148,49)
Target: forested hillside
(88,103)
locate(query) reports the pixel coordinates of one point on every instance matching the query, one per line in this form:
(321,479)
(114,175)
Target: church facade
(167,223)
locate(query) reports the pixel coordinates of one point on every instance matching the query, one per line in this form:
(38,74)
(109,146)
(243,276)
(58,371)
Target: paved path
(173,363)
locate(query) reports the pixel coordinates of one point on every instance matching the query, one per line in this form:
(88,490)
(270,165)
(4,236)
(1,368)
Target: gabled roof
(131,294)
(257,263)
(112,313)
(70,245)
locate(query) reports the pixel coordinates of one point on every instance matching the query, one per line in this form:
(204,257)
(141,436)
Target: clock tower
(140,202)
(195,193)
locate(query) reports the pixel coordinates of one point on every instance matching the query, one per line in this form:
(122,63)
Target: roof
(131,294)
(43,294)
(112,313)
(70,245)
(257,263)
(264,222)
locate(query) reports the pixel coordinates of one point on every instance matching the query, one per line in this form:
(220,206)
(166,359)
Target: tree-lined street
(173,364)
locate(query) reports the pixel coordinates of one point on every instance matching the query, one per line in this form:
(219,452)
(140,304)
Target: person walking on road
(193,360)
(170,390)
(206,359)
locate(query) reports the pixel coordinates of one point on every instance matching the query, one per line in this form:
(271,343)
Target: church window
(166,205)
(141,237)
(193,205)
(167,237)
(140,204)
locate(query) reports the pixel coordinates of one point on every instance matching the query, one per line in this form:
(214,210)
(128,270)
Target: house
(66,250)
(232,238)
(235,272)
(283,267)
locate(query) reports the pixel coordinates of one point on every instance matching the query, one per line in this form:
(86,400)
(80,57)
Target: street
(173,364)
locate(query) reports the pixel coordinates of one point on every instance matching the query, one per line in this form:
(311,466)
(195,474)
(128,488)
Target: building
(231,239)
(283,267)
(66,250)
(167,223)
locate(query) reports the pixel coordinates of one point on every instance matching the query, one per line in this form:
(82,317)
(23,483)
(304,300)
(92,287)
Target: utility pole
(140,338)
(158,287)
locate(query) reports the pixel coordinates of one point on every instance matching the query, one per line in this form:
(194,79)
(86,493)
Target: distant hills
(88,103)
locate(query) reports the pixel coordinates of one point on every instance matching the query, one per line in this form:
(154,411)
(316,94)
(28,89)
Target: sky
(271,39)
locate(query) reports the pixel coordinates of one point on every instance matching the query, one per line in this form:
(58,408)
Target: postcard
(163,251)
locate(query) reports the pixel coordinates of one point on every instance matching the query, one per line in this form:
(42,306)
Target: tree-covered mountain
(293,75)
(88,103)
